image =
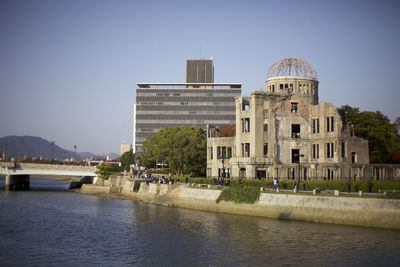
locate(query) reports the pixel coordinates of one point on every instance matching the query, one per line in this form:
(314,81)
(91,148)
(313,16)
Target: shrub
(240,194)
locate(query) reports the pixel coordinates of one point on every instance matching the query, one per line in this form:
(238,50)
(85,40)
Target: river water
(52,226)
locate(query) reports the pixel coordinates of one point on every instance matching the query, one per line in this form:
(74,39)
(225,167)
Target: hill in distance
(35,147)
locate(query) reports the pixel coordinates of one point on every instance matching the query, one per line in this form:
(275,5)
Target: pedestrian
(295,186)
(348,185)
(369,186)
(275,184)
(240,180)
(187,180)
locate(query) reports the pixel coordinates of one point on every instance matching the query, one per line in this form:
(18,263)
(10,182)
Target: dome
(292,67)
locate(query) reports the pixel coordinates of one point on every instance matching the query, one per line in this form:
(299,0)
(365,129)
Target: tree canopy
(383,137)
(105,170)
(127,159)
(183,148)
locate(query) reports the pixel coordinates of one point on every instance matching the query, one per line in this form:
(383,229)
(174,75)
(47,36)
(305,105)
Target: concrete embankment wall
(384,213)
(98,189)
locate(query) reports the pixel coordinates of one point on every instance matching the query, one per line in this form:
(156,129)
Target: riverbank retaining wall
(361,211)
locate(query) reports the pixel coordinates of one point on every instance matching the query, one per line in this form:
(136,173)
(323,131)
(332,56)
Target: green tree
(104,170)
(127,159)
(183,148)
(383,137)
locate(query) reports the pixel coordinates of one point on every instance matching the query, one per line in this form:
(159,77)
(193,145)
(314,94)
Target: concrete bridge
(18,174)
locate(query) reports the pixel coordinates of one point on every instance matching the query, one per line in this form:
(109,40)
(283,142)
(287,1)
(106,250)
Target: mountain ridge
(35,147)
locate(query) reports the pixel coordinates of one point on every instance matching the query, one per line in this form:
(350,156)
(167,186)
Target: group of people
(144,175)
(295,185)
(221,181)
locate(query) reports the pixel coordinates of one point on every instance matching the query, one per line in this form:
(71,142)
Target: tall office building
(197,102)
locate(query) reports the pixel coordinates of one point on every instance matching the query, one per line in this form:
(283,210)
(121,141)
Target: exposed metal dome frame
(292,67)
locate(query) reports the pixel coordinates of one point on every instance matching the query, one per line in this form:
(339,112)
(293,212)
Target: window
(210,149)
(315,126)
(265,149)
(353,157)
(281,86)
(329,124)
(329,150)
(261,174)
(273,88)
(294,107)
(286,86)
(295,130)
(247,149)
(343,149)
(246,125)
(223,152)
(265,127)
(295,156)
(330,174)
(315,151)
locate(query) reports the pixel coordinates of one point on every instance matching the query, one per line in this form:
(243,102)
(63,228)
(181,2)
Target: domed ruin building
(285,132)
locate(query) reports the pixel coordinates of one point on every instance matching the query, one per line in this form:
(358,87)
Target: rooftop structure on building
(197,103)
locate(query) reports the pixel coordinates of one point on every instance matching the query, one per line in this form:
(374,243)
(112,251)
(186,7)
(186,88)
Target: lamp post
(5,151)
(300,156)
(75,146)
(223,167)
(52,150)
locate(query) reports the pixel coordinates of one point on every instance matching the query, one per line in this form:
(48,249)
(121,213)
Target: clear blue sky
(68,69)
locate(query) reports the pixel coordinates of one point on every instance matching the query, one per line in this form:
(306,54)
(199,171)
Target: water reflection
(63,228)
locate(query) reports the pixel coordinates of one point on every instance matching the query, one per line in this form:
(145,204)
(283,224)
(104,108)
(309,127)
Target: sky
(69,68)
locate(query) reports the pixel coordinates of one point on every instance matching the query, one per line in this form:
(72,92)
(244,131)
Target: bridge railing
(59,167)
(7,164)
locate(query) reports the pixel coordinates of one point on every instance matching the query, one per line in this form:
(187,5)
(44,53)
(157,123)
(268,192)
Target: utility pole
(52,150)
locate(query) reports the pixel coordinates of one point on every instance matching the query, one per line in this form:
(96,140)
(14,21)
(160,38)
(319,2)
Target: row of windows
(184,112)
(185,99)
(237,92)
(209,107)
(186,94)
(303,88)
(171,123)
(160,117)
(295,127)
(185,103)
(224,152)
(329,148)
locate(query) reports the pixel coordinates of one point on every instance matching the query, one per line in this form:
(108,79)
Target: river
(52,226)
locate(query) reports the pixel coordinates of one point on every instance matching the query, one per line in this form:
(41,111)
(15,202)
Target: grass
(240,194)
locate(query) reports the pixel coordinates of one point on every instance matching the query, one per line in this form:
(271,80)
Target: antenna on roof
(200,52)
